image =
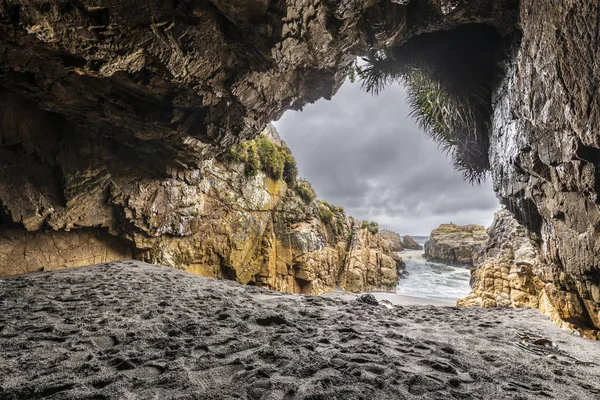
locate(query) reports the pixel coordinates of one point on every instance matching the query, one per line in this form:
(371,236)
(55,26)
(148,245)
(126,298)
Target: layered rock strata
(545,149)
(228,221)
(510,273)
(370,264)
(454,244)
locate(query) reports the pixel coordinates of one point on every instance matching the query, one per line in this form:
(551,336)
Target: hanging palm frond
(453,120)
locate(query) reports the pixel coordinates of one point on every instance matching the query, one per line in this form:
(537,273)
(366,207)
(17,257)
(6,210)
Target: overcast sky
(366,154)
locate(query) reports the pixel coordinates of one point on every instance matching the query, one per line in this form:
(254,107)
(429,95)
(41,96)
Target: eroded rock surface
(370,264)
(227,220)
(545,148)
(511,273)
(455,244)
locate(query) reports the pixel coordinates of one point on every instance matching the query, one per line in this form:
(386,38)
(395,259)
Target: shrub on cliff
(290,170)
(339,226)
(305,191)
(260,154)
(271,158)
(373,227)
(325,213)
(252,160)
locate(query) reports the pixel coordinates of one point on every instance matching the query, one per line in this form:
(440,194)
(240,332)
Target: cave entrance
(369,154)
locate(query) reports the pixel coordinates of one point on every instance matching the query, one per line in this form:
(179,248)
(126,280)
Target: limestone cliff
(107,106)
(370,264)
(454,244)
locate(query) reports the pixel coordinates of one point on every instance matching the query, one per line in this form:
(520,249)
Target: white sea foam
(431,280)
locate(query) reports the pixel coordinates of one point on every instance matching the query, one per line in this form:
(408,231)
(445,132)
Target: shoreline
(392,297)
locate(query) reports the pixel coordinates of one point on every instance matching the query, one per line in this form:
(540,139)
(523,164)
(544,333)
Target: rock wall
(545,148)
(222,221)
(511,273)
(22,252)
(454,244)
(370,264)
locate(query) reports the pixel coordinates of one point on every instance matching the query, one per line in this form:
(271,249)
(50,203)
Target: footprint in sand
(105,342)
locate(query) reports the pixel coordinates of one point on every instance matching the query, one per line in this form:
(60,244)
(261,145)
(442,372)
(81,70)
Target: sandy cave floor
(136,331)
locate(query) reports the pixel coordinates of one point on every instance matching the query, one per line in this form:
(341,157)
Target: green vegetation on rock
(305,191)
(260,154)
(373,227)
(450,101)
(325,213)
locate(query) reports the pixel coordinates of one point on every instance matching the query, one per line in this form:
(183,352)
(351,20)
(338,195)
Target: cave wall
(23,252)
(111,114)
(545,149)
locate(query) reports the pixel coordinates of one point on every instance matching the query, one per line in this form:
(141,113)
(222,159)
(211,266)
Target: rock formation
(394,239)
(410,243)
(454,244)
(234,220)
(370,264)
(510,273)
(507,272)
(106,108)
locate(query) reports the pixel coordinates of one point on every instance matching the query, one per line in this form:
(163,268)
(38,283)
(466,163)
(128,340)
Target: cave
(120,128)
(134,133)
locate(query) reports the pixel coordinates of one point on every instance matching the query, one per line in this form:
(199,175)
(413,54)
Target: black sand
(137,331)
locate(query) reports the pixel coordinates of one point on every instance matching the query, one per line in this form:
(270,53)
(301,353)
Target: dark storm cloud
(366,154)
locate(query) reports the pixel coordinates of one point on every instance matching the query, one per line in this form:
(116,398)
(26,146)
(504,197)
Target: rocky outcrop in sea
(394,239)
(410,243)
(454,244)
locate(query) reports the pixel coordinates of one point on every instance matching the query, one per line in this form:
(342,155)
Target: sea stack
(454,244)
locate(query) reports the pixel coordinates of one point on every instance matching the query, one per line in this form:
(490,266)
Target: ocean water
(431,280)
